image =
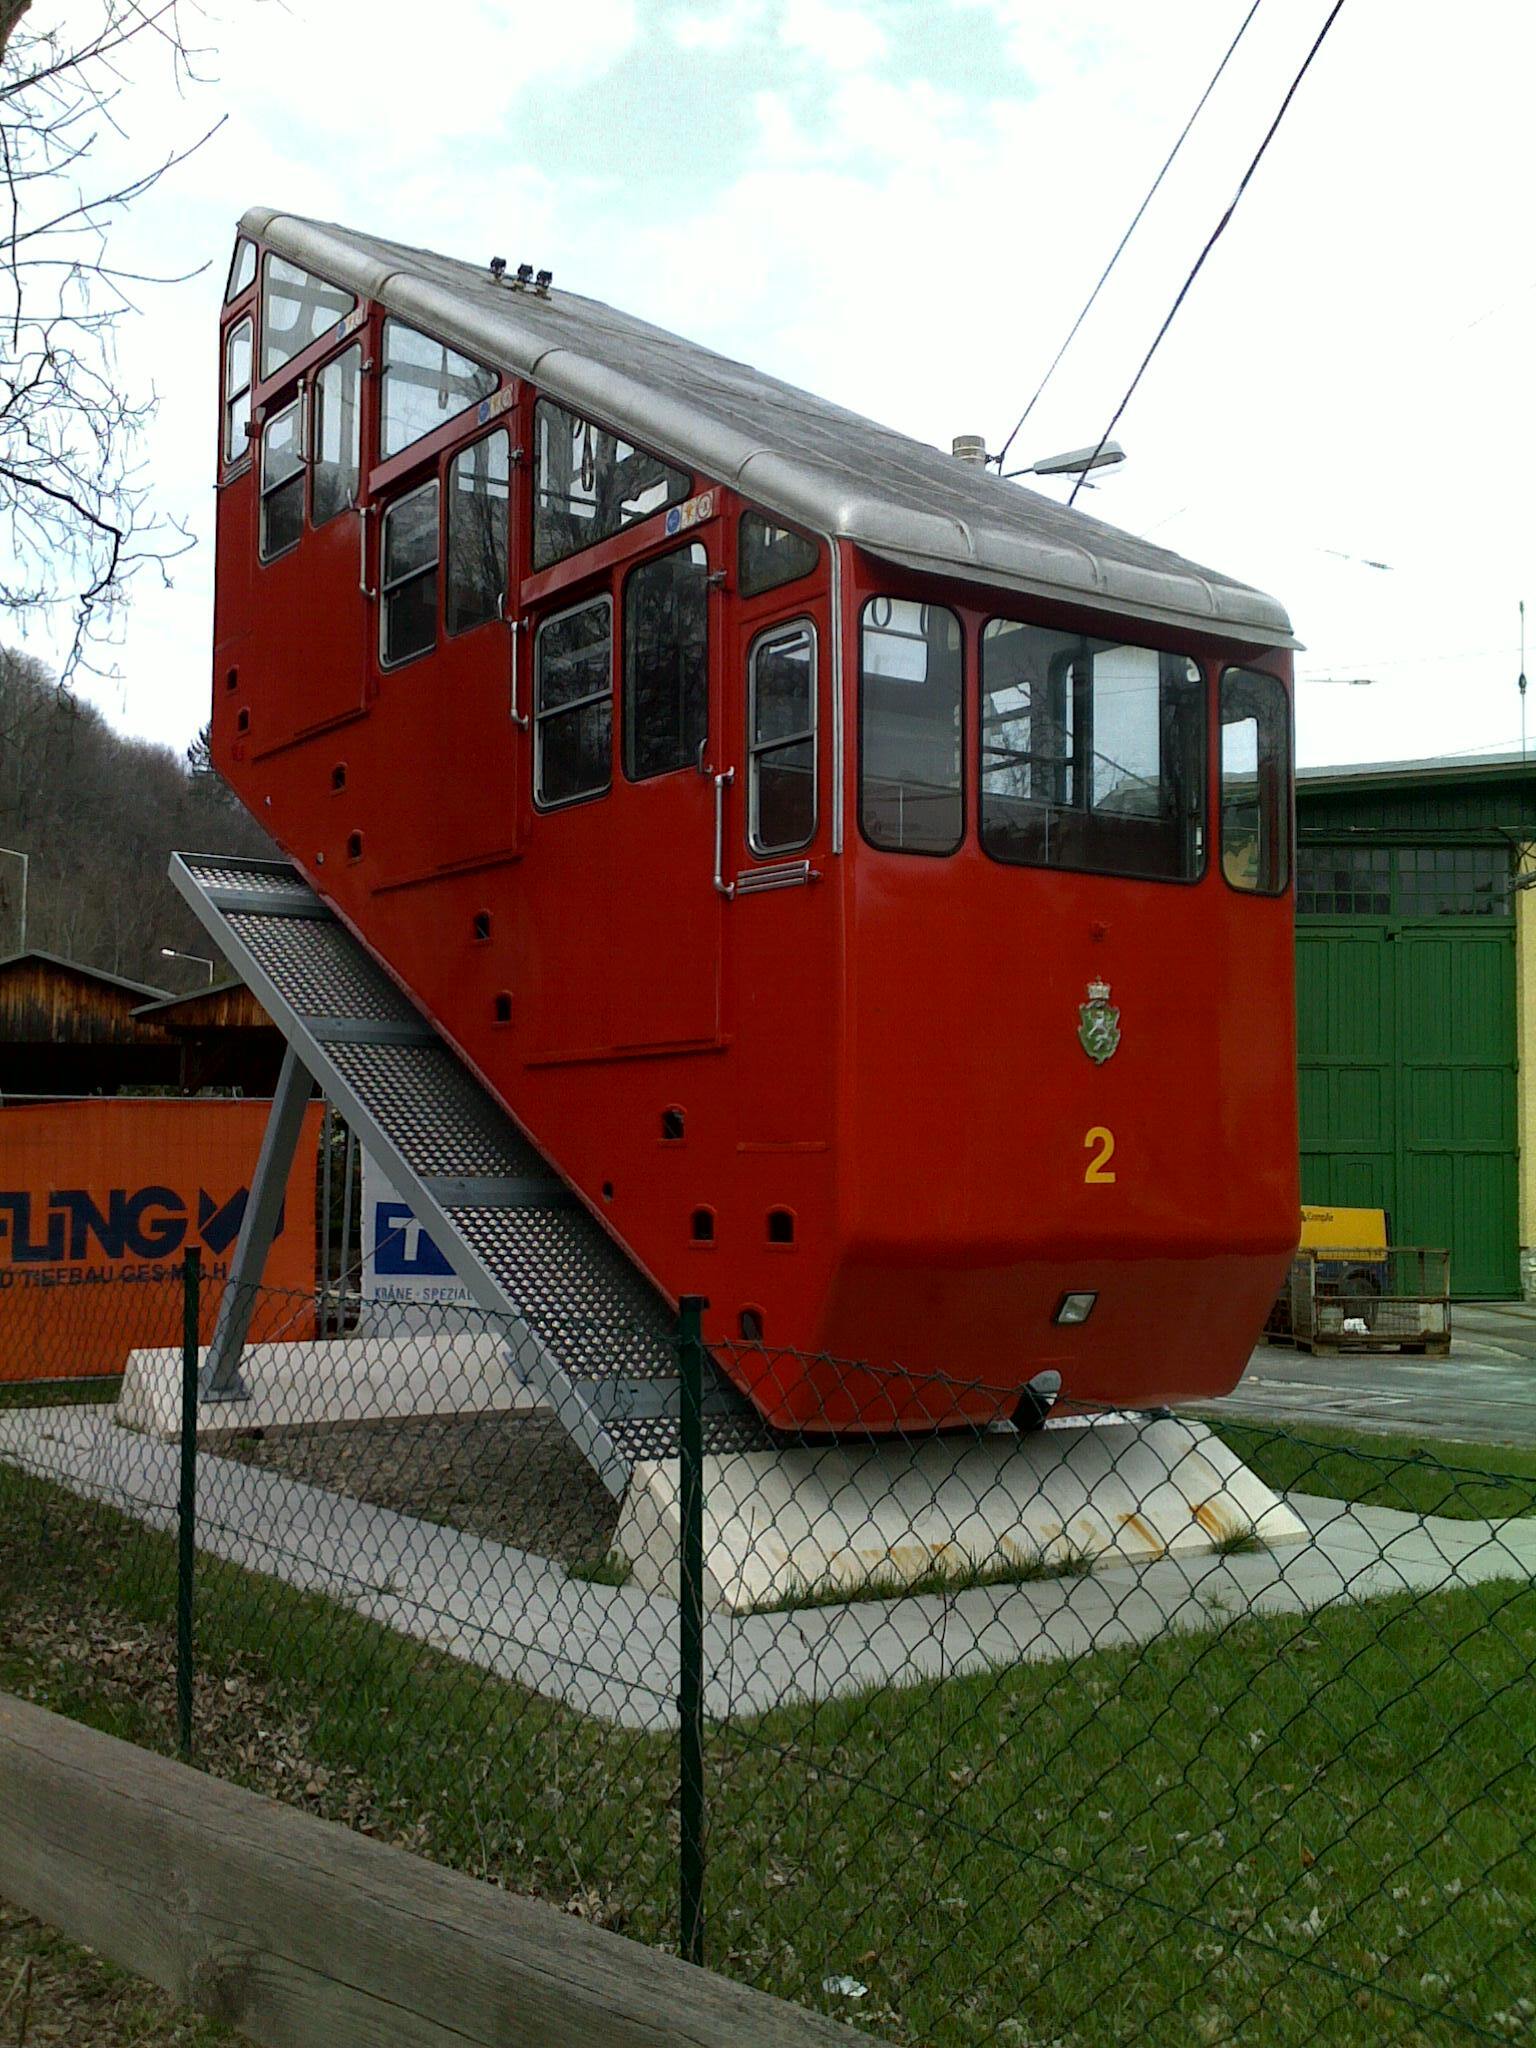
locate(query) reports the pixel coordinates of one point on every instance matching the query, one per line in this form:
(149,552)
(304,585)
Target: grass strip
(1288,1828)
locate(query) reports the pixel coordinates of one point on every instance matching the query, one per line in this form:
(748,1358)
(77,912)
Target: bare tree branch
(76,522)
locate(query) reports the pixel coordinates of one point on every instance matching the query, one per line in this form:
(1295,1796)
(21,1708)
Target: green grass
(1289,1830)
(608,1570)
(59,1393)
(1416,1474)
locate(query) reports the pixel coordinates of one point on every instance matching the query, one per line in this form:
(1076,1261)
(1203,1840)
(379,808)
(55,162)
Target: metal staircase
(586,1331)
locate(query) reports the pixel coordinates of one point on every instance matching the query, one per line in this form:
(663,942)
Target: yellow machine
(1351,1289)
(1344,1230)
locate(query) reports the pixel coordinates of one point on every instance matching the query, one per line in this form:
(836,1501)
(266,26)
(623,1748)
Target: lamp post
(16,854)
(972,449)
(170,953)
(1075,461)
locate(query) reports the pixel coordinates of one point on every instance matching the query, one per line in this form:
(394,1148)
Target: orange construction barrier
(98,1201)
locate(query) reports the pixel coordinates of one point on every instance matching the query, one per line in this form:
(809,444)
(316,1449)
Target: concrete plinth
(780,1524)
(342,1379)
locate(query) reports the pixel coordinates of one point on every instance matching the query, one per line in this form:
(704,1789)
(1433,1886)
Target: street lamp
(170,953)
(1076,461)
(21,945)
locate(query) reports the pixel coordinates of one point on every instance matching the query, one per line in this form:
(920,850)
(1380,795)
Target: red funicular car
(865,881)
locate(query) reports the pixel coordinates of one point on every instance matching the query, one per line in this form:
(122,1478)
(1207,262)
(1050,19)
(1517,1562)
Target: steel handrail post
(186,1503)
(690,1689)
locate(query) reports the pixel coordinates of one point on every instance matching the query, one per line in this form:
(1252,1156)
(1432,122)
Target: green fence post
(186,1504)
(690,1686)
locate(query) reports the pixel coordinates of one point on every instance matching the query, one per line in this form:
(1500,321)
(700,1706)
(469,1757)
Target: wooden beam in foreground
(305,1935)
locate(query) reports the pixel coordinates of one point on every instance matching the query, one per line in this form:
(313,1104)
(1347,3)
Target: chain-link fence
(1162,1728)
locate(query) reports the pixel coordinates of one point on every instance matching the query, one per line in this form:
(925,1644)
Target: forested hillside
(99,816)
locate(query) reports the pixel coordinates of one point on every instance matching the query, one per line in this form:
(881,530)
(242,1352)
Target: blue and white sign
(402,1266)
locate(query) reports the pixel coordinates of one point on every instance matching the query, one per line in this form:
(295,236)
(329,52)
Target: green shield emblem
(1098,1024)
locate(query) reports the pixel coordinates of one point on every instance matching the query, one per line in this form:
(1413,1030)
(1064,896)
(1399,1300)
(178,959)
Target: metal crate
(1370,1300)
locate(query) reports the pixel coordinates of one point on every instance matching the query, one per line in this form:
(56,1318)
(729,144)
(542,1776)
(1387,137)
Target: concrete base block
(340,1379)
(841,1518)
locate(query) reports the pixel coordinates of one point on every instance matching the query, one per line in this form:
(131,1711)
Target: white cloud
(714,25)
(1351,370)
(843,36)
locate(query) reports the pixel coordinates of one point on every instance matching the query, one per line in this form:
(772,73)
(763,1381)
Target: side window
(242,269)
(282,483)
(573,704)
(588,485)
(1255,782)
(477,533)
(768,555)
(1092,754)
(666,663)
(781,739)
(425,384)
(911,796)
(408,578)
(296,309)
(337,441)
(237,391)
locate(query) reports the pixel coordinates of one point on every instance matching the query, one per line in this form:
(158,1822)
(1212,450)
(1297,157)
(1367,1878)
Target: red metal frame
(888,1052)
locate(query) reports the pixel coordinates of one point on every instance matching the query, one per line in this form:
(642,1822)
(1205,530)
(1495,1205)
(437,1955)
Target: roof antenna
(1522,678)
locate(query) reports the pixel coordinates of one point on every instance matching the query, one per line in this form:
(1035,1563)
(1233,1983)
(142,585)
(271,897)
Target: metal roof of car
(796,455)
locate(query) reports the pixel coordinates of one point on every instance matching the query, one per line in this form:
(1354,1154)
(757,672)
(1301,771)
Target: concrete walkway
(1485,1392)
(612,1651)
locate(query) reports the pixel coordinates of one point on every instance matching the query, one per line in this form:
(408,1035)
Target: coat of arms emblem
(1098,1025)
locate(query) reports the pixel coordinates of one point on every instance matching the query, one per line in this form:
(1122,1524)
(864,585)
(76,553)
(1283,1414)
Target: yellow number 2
(1097,1172)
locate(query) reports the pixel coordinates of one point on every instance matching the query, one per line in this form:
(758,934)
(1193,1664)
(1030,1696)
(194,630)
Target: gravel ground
(56,1993)
(513,1478)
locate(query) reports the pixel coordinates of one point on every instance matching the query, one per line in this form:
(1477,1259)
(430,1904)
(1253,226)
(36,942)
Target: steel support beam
(221,1375)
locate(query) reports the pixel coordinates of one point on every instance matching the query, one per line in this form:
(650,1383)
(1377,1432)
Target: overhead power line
(1216,233)
(1088,303)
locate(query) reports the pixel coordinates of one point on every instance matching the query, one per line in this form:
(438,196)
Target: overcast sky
(900,204)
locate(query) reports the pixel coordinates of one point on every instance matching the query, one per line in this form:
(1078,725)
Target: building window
(589,485)
(666,663)
(477,533)
(1402,881)
(296,310)
(1092,754)
(337,439)
(242,269)
(768,555)
(237,391)
(781,744)
(282,483)
(1255,782)
(911,794)
(1344,881)
(573,704)
(1453,881)
(425,384)
(408,582)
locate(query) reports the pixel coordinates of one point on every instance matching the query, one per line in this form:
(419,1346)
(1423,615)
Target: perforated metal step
(583,1325)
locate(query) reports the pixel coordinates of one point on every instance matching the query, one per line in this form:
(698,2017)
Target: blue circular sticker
(674,519)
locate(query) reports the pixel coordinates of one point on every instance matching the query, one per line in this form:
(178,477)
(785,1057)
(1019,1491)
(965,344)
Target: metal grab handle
(722,782)
(519,718)
(362,552)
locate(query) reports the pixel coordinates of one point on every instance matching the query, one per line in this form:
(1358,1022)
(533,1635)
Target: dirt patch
(53,1991)
(515,1479)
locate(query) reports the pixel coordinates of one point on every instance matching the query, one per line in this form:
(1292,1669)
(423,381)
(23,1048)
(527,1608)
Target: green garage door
(1406,1040)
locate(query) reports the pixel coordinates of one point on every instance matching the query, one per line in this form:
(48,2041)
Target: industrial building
(1416,996)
